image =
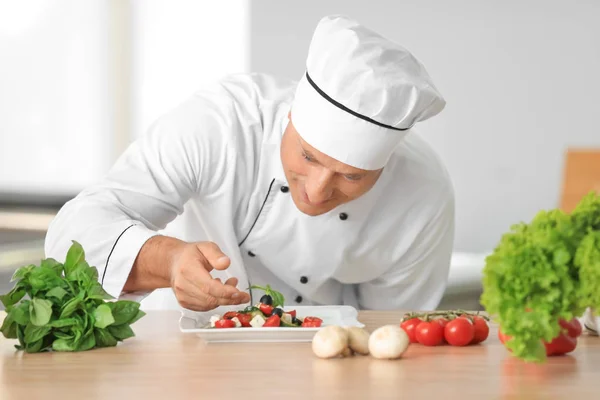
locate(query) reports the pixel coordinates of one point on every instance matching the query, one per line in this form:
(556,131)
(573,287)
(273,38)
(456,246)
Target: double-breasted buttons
(303,279)
(343,216)
(251,254)
(284,189)
(298,299)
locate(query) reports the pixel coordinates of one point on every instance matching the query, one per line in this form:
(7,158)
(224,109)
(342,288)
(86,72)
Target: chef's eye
(353,177)
(307,157)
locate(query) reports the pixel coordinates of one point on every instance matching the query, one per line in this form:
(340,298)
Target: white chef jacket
(210,169)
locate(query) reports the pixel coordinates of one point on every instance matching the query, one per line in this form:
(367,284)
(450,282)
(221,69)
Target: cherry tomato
(562,344)
(573,327)
(267,310)
(459,332)
(482,330)
(409,327)
(442,321)
(245,319)
(272,321)
(292,313)
(230,314)
(312,322)
(429,333)
(224,323)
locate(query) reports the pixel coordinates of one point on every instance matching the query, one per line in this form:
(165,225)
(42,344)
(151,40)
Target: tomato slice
(224,323)
(265,309)
(312,322)
(292,313)
(245,319)
(272,322)
(230,314)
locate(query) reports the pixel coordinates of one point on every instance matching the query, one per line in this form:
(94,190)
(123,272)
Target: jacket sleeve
(417,280)
(183,154)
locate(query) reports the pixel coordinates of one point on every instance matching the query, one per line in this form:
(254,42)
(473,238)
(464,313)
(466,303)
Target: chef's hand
(192,283)
(165,261)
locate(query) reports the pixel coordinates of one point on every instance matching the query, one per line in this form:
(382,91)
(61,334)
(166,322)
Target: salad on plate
(268,312)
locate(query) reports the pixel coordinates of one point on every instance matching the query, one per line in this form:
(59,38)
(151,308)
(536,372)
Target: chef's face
(319,183)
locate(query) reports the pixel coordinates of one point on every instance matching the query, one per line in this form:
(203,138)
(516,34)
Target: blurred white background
(81,79)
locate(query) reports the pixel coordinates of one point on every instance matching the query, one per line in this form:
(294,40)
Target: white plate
(197,323)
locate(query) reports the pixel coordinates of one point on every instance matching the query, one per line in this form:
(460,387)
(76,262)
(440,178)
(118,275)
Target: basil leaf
(34,333)
(40,311)
(96,291)
(57,292)
(88,341)
(52,264)
(104,338)
(63,345)
(124,311)
(20,313)
(75,255)
(71,305)
(13,297)
(63,335)
(9,327)
(21,337)
(44,278)
(78,273)
(121,332)
(22,273)
(62,323)
(34,347)
(103,316)
(139,315)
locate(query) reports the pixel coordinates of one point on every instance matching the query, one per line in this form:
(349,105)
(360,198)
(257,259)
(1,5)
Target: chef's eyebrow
(313,159)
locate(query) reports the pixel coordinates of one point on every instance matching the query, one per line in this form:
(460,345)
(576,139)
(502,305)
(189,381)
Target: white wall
(54,100)
(178,45)
(80,79)
(520,78)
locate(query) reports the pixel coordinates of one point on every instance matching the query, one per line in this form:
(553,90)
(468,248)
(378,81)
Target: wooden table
(162,363)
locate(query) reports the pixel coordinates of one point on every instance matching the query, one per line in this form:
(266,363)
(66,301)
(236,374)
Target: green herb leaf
(22,273)
(62,323)
(103,316)
(20,313)
(278,299)
(75,255)
(13,297)
(40,311)
(71,305)
(34,347)
(121,332)
(57,292)
(104,338)
(96,291)
(9,327)
(139,315)
(52,264)
(63,345)
(34,333)
(87,342)
(124,311)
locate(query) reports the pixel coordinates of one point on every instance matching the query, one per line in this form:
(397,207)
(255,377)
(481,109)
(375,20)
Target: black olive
(296,321)
(277,311)
(266,300)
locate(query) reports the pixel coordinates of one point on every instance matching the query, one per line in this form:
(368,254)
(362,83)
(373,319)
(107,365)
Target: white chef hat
(360,95)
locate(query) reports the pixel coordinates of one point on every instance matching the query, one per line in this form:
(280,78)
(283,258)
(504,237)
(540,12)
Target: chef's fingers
(215,288)
(216,258)
(192,297)
(232,282)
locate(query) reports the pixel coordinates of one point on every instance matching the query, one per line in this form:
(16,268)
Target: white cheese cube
(287,318)
(214,319)
(257,322)
(237,322)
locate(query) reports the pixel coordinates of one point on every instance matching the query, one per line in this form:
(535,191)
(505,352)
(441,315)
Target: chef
(321,188)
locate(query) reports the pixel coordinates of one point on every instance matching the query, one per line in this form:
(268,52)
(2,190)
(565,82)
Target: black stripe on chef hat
(343,107)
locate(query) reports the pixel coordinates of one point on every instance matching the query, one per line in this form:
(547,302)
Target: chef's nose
(319,185)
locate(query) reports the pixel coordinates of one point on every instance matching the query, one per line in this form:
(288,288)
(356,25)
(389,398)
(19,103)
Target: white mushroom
(329,342)
(388,342)
(358,339)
